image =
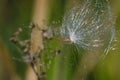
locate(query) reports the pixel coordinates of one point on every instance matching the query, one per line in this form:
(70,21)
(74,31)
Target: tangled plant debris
(33,59)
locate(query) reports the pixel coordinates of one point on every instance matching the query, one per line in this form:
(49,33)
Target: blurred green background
(18,13)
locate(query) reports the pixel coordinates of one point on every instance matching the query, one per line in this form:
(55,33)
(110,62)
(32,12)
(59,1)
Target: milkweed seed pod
(89,25)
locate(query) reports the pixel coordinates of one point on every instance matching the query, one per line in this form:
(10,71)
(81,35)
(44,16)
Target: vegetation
(60,61)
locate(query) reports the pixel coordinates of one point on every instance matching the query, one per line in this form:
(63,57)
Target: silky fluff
(89,25)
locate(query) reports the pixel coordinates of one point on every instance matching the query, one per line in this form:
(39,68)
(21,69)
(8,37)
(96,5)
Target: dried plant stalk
(40,14)
(36,41)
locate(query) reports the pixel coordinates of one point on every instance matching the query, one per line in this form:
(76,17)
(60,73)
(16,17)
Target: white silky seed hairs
(89,25)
